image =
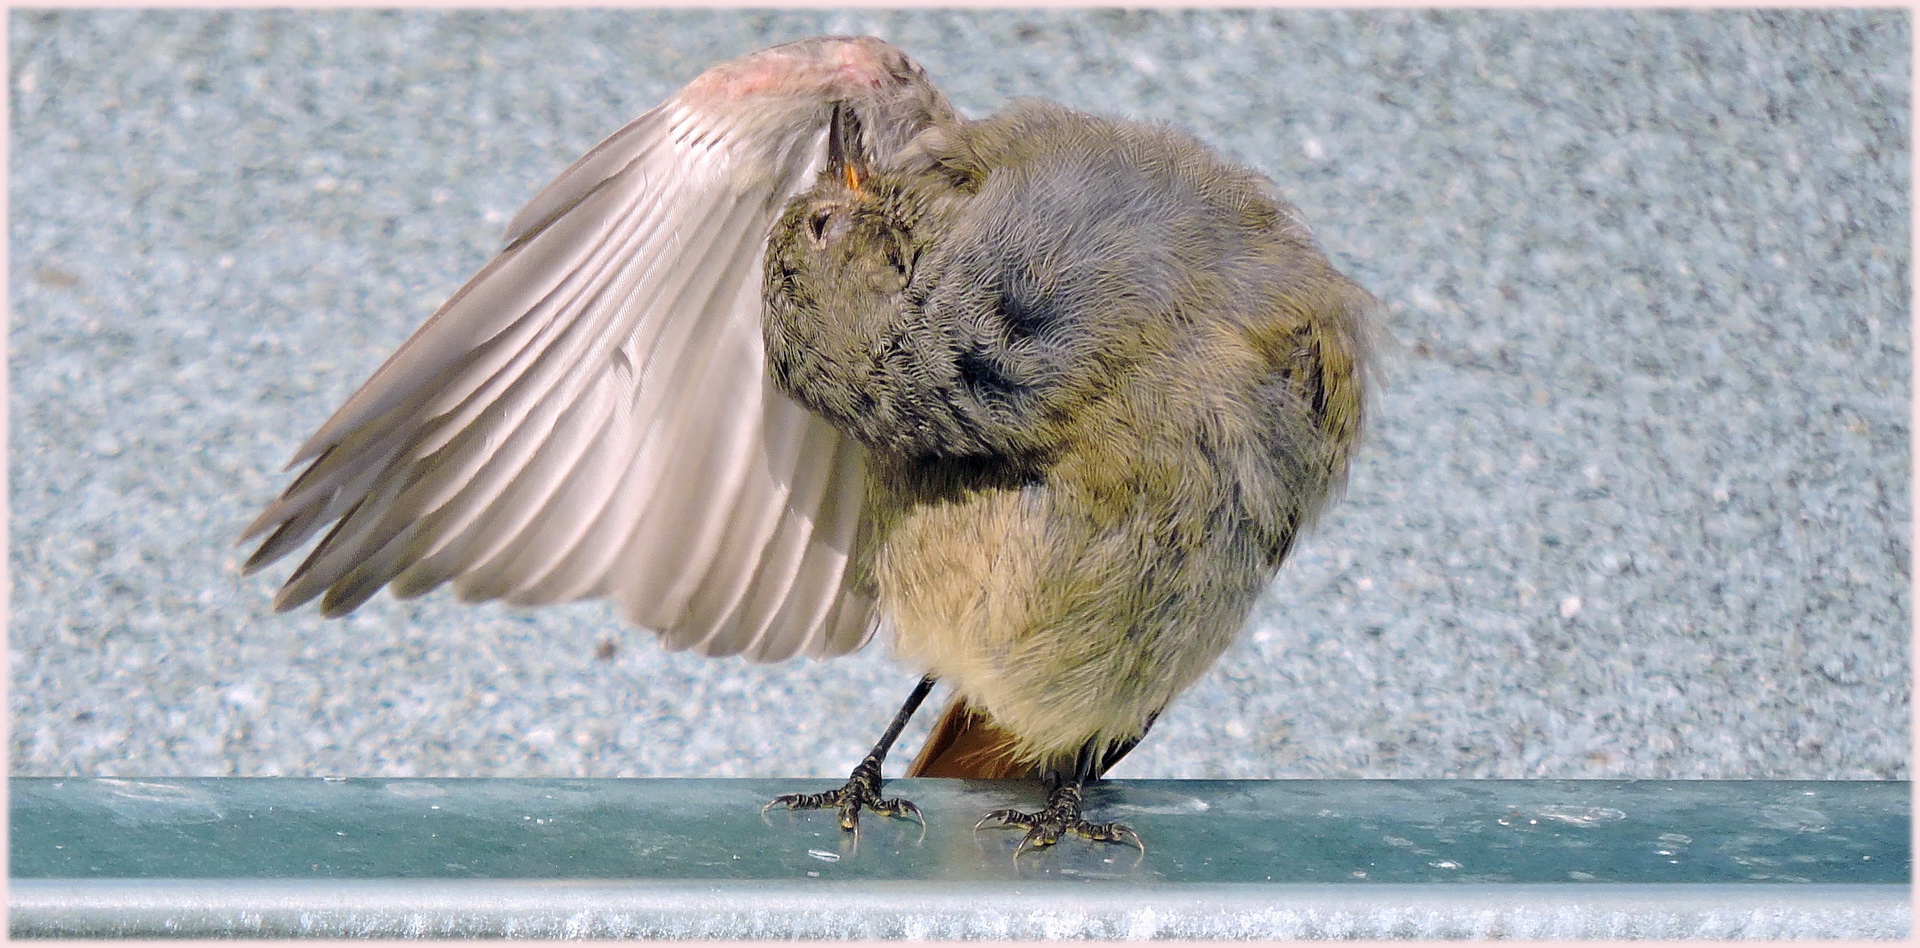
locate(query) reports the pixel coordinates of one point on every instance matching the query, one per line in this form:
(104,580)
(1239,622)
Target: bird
(802,356)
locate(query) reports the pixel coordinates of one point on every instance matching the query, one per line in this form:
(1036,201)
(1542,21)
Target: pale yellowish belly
(1043,620)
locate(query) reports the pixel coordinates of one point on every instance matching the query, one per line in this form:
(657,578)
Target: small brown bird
(802,352)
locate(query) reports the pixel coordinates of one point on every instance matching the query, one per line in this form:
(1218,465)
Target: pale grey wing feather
(599,165)
(462,348)
(795,567)
(593,407)
(753,578)
(478,446)
(443,349)
(581,472)
(658,591)
(566,552)
(822,586)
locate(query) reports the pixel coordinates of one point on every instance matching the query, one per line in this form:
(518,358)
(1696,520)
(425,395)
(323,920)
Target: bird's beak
(845,151)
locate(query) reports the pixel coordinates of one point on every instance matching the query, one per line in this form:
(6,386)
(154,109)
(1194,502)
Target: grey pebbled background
(1636,503)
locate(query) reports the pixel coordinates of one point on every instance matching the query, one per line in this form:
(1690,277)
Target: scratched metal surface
(694,858)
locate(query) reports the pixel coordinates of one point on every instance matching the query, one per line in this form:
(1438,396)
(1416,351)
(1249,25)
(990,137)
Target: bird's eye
(817,225)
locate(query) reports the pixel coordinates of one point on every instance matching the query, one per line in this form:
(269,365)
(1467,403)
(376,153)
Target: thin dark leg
(862,789)
(1062,813)
(1119,750)
(900,719)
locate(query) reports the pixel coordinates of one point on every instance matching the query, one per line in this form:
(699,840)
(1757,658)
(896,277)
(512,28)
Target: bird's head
(850,242)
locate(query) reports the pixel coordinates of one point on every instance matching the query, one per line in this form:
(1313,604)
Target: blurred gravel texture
(1636,503)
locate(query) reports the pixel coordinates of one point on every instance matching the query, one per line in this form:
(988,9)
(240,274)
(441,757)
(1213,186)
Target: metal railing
(697,859)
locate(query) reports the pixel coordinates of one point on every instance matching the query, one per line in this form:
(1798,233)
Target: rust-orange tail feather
(966,743)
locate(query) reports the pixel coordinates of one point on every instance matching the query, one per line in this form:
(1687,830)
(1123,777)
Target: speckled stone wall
(1635,502)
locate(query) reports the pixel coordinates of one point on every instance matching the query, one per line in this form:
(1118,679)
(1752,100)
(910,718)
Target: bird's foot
(1061,817)
(860,792)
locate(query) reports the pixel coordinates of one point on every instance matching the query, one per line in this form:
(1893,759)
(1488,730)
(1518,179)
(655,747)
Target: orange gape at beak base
(844,147)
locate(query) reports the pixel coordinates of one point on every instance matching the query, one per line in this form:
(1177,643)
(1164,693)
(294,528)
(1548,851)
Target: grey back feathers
(1105,380)
(1001,281)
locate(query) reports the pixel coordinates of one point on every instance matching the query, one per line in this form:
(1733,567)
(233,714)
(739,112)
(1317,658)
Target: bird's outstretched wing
(590,415)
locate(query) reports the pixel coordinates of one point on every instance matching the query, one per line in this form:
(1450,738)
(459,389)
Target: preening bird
(802,353)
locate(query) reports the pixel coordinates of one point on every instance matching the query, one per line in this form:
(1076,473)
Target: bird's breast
(1064,621)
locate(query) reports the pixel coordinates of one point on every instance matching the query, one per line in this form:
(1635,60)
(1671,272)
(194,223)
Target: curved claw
(1036,838)
(1007,818)
(1125,833)
(906,808)
(898,807)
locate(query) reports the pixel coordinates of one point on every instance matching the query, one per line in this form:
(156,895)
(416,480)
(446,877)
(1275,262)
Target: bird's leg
(862,789)
(1062,813)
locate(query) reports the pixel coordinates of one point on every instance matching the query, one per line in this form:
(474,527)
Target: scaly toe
(796,801)
(861,792)
(1046,828)
(1040,837)
(1006,818)
(1108,833)
(897,807)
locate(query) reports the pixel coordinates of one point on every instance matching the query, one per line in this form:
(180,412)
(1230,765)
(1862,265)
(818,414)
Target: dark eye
(817,225)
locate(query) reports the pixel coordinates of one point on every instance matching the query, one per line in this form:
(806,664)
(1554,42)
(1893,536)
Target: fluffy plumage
(1105,379)
(799,349)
